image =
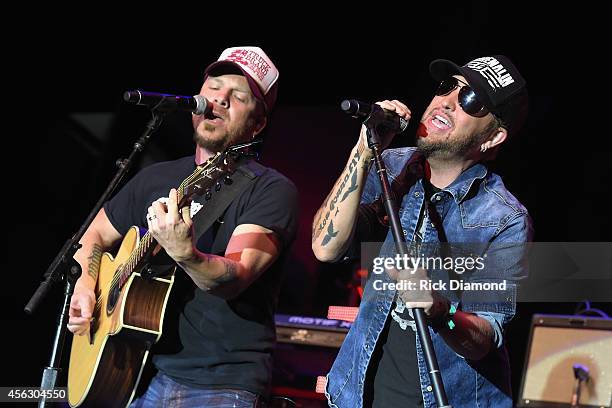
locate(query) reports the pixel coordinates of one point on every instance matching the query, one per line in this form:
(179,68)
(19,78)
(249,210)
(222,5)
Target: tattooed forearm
(330,234)
(94,261)
(318,216)
(352,187)
(365,165)
(341,184)
(231,272)
(360,148)
(211,272)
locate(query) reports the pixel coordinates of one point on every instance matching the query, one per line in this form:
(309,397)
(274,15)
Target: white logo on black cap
(493,71)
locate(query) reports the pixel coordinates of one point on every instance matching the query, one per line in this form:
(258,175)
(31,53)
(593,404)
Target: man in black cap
(219,326)
(446,196)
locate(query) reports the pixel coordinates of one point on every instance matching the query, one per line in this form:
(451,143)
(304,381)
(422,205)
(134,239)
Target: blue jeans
(165,392)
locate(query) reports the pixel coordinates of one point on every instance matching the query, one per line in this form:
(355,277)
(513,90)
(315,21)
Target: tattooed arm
(100,236)
(250,251)
(334,223)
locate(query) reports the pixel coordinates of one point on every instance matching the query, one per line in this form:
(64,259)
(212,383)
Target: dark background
(67,79)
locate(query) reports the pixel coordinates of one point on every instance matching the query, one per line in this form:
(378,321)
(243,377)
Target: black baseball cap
(497,83)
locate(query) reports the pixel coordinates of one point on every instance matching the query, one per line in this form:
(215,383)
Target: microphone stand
(65,268)
(375,118)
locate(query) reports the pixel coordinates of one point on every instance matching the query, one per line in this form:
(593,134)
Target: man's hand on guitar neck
(171,228)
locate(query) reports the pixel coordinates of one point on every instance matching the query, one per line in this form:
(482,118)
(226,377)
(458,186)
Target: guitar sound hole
(113,297)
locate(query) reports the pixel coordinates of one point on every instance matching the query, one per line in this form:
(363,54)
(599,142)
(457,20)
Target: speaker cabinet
(558,343)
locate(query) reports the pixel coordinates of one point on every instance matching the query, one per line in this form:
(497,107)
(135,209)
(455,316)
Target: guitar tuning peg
(218,186)
(227,180)
(208,195)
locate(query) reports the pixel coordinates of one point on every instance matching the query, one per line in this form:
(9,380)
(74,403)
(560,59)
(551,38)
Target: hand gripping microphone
(359,109)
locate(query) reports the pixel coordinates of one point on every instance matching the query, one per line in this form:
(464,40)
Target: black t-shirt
(392,379)
(208,341)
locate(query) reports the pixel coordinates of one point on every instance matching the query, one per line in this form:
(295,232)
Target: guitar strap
(211,210)
(216,206)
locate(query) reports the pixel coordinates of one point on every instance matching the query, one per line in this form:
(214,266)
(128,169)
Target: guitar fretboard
(147,243)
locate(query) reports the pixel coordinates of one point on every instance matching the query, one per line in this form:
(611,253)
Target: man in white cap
(219,327)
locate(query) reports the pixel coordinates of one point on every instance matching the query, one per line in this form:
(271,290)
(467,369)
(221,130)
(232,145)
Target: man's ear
(260,125)
(499,136)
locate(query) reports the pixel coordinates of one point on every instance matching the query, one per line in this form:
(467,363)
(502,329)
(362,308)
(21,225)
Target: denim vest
(475,208)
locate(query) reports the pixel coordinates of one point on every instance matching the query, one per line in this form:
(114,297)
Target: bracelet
(445,321)
(451,312)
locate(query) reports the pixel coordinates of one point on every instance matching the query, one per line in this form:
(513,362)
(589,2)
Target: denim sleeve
(505,262)
(371,190)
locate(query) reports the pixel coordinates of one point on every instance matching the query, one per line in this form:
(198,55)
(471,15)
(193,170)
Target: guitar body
(106,364)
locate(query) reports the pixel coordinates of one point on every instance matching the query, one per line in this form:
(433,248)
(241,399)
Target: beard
(230,138)
(447,149)
(212,145)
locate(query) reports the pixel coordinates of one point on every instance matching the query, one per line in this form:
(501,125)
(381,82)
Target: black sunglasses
(467,97)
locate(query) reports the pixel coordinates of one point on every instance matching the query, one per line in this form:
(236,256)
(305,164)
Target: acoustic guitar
(106,363)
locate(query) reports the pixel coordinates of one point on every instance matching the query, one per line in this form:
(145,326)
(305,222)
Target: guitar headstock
(214,173)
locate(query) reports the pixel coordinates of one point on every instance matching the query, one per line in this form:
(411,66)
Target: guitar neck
(147,243)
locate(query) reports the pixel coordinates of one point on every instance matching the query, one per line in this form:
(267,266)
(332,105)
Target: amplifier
(561,350)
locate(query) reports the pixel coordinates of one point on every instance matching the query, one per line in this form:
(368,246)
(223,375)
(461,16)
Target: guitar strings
(145,241)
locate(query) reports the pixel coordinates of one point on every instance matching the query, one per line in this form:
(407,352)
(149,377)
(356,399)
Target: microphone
(196,104)
(581,372)
(359,109)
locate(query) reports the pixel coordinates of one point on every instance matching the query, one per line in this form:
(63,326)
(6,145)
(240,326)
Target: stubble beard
(231,137)
(212,145)
(449,149)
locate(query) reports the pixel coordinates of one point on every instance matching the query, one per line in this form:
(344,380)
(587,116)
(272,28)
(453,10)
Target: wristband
(445,321)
